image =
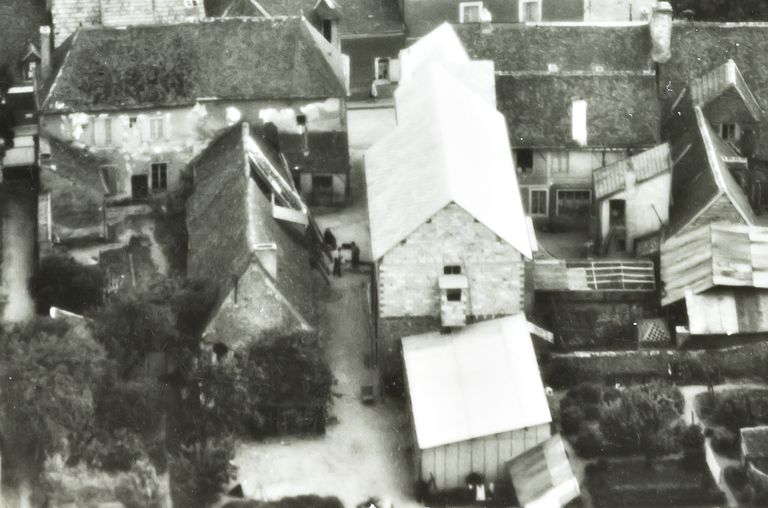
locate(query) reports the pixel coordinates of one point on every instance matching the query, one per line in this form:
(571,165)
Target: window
(552,67)
(382,68)
(29,70)
(558,162)
(131,121)
(108,179)
(452,270)
(328,29)
(469,12)
(156,128)
(573,202)
(453,295)
(538,202)
(524,160)
(598,68)
(159,176)
(728,131)
(530,11)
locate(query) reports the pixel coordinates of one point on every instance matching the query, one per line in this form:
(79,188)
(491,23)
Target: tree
(63,282)
(201,472)
(131,326)
(50,369)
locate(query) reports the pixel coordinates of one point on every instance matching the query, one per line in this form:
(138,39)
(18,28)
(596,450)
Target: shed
(477,399)
(542,476)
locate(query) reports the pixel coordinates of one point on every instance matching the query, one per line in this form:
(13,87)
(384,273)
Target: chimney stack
(46,64)
(661,32)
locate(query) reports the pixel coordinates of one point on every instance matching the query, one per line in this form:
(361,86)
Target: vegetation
(201,472)
(170,218)
(725,413)
(637,419)
(49,370)
(63,282)
(289,502)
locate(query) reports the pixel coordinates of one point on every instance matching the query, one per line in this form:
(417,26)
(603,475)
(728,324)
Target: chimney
(579,121)
(661,32)
(266,253)
(46,65)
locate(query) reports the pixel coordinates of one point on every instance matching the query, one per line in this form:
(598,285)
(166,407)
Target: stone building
(149,98)
(448,234)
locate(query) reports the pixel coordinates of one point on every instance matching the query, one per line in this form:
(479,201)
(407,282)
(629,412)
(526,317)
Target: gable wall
(409,273)
(722,210)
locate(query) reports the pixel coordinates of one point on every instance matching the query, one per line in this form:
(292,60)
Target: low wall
(689,366)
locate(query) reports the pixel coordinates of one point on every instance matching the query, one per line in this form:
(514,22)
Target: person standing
(336,256)
(355,256)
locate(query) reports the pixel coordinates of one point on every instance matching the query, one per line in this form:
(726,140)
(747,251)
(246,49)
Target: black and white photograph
(383,253)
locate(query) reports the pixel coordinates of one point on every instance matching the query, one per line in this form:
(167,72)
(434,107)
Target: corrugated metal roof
(456,149)
(714,255)
(542,476)
(481,380)
(645,165)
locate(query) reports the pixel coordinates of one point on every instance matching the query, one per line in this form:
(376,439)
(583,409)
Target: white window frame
(530,190)
(464,5)
(156,127)
(557,197)
(521,10)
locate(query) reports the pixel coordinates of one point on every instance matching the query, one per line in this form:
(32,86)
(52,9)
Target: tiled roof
(77,165)
(700,174)
(20,22)
(644,166)
(532,47)
(456,150)
(699,47)
(714,255)
(358,17)
(168,65)
(621,110)
(481,380)
(716,82)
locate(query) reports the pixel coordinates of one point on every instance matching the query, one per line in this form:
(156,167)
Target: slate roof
(480,380)
(700,174)
(714,255)
(644,166)
(455,150)
(358,17)
(621,98)
(20,22)
(718,81)
(227,216)
(542,476)
(172,65)
(699,47)
(77,165)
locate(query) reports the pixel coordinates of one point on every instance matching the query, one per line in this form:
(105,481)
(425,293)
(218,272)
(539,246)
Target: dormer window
(470,12)
(552,67)
(29,70)
(729,131)
(598,68)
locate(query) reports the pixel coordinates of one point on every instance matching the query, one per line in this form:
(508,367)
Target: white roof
(455,151)
(476,75)
(441,45)
(479,381)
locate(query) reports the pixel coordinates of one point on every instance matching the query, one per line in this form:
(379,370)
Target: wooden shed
(477,400)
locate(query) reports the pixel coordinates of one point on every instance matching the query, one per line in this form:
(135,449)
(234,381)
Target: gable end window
(469,12)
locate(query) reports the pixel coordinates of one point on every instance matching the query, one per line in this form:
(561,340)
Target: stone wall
(409,273)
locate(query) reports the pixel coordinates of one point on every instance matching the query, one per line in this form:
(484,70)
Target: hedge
(686,366)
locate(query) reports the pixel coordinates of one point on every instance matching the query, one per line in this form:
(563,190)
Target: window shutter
(142,122)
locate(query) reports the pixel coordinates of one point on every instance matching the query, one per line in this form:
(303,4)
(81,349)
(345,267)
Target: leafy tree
(170,217)
(201,472)
(133,405)
(130,327)
(637,420)
(49,370)
(63,282)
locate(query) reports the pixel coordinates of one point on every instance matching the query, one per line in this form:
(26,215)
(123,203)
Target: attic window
(552,67)
(598,68)
(728,131)
(452,270)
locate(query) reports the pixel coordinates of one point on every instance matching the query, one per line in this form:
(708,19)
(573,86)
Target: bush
(590,443)
(592,412)
(133,405)
(200,473)
(63,282)
(725,442)
(587,393)
(571,419)
(692,441)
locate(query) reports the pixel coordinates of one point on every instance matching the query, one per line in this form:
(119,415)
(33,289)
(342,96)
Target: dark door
(139,186)
(322,190)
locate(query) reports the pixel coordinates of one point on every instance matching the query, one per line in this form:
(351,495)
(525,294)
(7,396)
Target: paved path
(365,453)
